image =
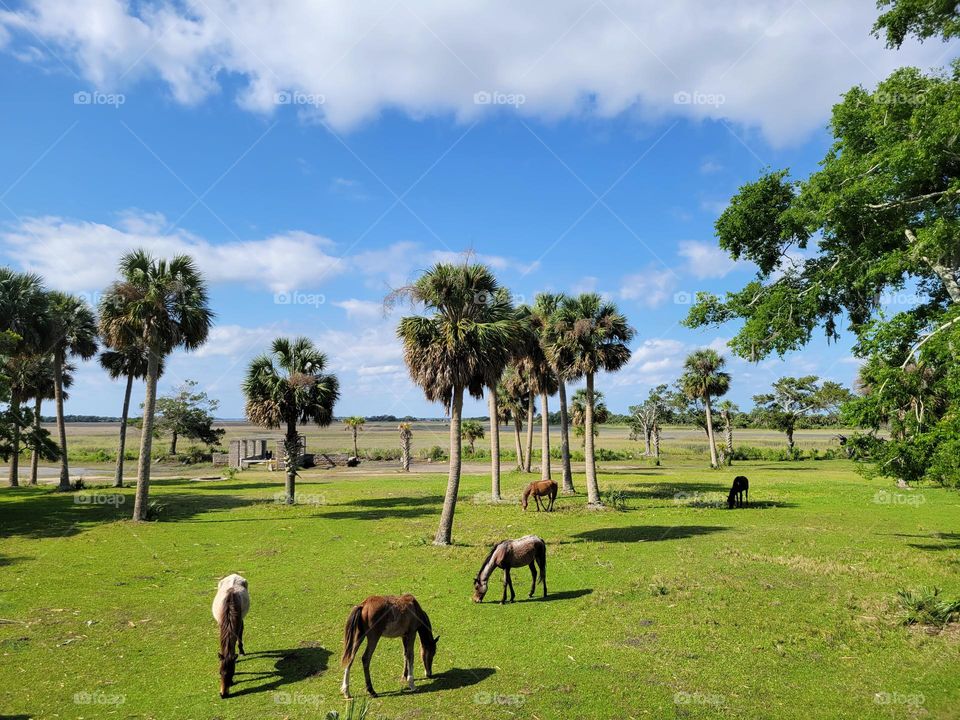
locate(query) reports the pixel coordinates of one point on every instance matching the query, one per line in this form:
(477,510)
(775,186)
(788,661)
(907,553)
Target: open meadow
(671,607)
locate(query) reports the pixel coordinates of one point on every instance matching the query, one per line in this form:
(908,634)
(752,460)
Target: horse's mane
(230,624)
(425,631)
(489,555)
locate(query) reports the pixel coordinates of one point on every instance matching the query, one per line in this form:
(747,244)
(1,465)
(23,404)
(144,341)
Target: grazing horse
(528,550)
(741,487)
(540,488)
(230,607)
(387,616)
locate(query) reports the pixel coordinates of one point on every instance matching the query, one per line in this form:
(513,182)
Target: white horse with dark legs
(529,550)
(230,606)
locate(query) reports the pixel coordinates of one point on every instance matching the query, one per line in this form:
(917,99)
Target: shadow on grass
(405,501)
(291,666)
(562,595)
(948,541)
(452,679)
(646,533)
(663,491)
(387,507)
(48,513)
(378,514)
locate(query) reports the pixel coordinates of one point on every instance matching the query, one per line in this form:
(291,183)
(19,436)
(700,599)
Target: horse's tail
(230,623)
(353,634)
(553,490)
(541,551)
(526,495)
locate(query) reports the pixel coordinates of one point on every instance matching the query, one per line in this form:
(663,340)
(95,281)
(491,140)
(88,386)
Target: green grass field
(671,608)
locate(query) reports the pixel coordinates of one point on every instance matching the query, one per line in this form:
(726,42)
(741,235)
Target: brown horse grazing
(230,606)
(540,488)
(528,550)
(387,616)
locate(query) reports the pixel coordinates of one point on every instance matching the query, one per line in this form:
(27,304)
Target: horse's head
(730,500)
(479,589)
(427,652)
(228,666)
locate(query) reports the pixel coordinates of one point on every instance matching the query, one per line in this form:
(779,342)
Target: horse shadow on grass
(291,666)
(646,533)
(452,679)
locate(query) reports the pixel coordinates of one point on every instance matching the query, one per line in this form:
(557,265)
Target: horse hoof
(373,694)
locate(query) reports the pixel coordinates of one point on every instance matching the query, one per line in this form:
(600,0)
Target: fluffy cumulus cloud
(706,259)
(775,65)
(651,287)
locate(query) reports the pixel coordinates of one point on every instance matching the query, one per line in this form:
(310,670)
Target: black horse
(740,489)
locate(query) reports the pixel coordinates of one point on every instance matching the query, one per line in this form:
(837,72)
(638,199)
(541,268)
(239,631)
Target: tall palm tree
(24,306)
(130,364)
(287,387)
(703,379)
(406,435)
(591,336)
(73,331)
(42,387)
(511,403)
(355,425)
(727,408)
(543,373)
(462,344)
(578,413)
(159,306)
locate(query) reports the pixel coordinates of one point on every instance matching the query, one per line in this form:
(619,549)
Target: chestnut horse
(540,488)
(230,606)
(528,550)
(387,616)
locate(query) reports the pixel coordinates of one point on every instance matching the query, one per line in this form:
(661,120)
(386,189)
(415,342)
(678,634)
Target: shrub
(616,499)
(925,606)
(436,453)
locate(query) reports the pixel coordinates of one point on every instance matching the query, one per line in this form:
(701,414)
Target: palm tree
(42,387)
(578,413)
(703,378)
(471,431)
(511,402)
(73,330)
(355,425)
(406,435)
(504,300)
(130,364)
(287,387)
(727,408)
(462,345)
(543,374)
(591,335)
(24,305)
(158,306)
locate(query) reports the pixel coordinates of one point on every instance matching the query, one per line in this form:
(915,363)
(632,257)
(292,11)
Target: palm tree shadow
(645,533)
(451,679)
(291,666)
(562,595)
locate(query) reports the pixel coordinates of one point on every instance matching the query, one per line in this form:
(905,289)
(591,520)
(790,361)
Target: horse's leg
(506,582)
(533,587)
(536,497)
(553,496)
(240,638)
(510,583)
(372,641)
(543,573)
(408,640)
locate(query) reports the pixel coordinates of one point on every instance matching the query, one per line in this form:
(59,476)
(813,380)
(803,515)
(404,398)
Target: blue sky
(312,156)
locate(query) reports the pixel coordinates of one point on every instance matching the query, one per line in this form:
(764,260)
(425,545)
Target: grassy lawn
(670,608)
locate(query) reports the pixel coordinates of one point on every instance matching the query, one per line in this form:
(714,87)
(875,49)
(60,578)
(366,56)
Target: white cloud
(777,65)
(653,362)
(708,167)
(61,251)
(360,308)
(236,341)
(714,207)
(651,287)
(706,259)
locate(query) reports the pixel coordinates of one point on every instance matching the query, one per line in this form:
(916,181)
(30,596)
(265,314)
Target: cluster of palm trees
(470,338)
(152,308)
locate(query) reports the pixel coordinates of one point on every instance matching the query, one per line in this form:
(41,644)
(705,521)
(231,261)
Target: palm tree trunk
(710,440)
(356,452)
(173,443)
(291,448)
(729,431)
(146,438)
(647,432)
(544,440)
(593,490)
(656,442)
(790,442)
(58,361)
(445,531)
(516,434)
(494,446)
(528,461)
(14,477)
(565,441)
(122,444)
(35,455)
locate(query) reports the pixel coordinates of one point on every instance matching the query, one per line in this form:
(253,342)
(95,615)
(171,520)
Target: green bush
(436,453)
(925,606)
